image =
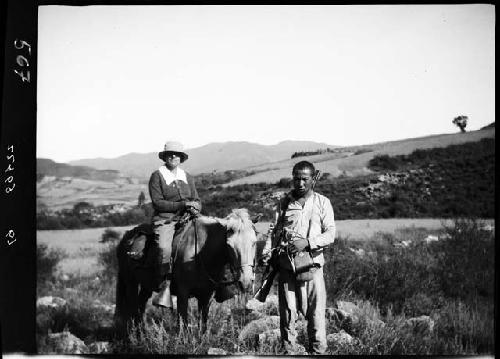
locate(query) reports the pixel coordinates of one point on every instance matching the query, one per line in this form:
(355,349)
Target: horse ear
(257,217)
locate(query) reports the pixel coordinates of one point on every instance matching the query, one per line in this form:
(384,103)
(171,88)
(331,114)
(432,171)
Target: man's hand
(298,245)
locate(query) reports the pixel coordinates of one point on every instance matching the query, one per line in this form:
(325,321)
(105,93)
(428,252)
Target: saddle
(137,240)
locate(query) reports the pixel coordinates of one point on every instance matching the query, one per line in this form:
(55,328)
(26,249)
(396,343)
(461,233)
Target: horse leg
(121,314)
(203,308)
(182,308)
(132,295)
(144,295)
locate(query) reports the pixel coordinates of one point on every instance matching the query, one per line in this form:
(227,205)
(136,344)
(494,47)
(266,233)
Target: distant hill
(48,168)
(440,182)
(491,125)
(353,161)
(214,156)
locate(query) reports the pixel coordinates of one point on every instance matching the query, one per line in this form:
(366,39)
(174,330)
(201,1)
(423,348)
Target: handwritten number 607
(21,60)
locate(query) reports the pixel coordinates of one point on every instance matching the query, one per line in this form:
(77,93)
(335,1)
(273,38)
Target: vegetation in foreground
(450,280)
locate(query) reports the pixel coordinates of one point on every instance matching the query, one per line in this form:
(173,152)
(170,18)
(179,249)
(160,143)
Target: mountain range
(219,156)
(47,167)
(121,180)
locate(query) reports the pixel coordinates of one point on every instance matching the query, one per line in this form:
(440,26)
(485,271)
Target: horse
(201,251)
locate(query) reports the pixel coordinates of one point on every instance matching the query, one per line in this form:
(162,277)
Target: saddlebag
(136,241)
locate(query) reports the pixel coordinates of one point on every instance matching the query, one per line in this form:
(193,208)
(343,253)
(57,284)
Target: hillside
(353,161)
(59,193)
(458,180)
(442,182)
(63,185)
(214,156)
(60,185)
(46,167)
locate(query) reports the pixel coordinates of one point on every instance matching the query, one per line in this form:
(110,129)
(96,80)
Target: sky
(119,79)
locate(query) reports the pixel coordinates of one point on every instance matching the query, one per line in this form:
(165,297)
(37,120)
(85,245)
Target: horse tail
(121,311)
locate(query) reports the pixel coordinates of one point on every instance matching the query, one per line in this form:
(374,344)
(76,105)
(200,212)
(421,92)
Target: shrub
(363,150)
(383,162)
(110,235)
(46,262)
(466,261)
(109,261)
(415,279)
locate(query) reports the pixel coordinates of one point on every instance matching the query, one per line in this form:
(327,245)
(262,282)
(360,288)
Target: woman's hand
(194,205)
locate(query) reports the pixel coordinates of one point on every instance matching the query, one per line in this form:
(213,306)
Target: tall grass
(450,281)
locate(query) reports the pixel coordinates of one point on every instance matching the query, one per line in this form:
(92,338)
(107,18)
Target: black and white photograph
(261,180)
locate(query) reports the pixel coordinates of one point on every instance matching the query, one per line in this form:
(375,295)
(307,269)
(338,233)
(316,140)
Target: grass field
(449,282)
(82,246)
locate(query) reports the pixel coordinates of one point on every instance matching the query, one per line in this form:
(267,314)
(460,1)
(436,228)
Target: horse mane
(239,220)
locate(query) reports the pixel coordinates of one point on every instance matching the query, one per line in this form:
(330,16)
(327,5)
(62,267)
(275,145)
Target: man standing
(306,223)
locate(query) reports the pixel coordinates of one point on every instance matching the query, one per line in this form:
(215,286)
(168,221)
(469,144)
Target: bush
(383,162)
(466,261)
(110,235)
(363,150)
(46,262)
(417,278)
(108,259)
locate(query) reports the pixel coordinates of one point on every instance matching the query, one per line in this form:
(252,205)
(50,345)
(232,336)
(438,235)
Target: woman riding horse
(172,192)
(202,249)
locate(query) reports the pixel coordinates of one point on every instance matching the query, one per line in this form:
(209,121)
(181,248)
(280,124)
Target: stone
(66,343)
(431,238)
(403,244)
(216,351)
(99,348)
(298,349)
(270,306)
(258,326)
(340,318)
(109,308)
(349,309)
(50,301)
(254,304)
(374,323)
(487,227)
(271,336)
(360,252)
(340,338)
(422,325)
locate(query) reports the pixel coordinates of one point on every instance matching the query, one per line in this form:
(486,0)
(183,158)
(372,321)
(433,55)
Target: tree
(83,208)
(461,122)
(142,199)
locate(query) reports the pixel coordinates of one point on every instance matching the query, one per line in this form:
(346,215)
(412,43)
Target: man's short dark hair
(302,165)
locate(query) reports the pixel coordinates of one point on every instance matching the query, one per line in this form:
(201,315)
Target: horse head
(241,239)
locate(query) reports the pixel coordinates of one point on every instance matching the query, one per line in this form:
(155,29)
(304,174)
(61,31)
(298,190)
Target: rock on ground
(340,318)
(271,336)
(256,327)
(216,351)
(421,325)
(109,308)
(50,301)
(99,348)
(66,343)
(270,306)
(348,311)
(340,338)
